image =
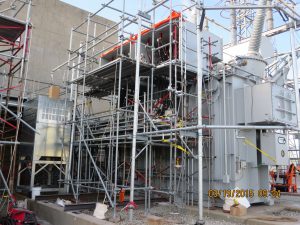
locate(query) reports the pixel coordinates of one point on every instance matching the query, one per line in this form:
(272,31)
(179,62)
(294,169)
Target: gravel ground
(287,213)
(171,214)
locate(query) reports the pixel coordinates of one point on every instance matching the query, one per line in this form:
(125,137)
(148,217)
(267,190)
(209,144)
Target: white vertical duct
(258,25)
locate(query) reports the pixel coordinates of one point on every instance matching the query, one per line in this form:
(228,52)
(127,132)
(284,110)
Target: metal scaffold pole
(135,114)
(23,76)
(118,112)
(153,142)
(200,220)
(233,25)
(295,70)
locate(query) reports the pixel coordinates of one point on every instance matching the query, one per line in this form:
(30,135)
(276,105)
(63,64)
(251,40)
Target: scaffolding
(150,141)
(15,44)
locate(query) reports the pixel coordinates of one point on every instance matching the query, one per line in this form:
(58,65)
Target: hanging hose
(258,25)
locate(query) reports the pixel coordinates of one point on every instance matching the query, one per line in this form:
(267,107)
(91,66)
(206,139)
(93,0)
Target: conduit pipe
(226,175)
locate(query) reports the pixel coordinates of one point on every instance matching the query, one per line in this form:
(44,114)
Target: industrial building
(150,112)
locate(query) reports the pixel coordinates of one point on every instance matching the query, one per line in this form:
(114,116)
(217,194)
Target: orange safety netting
(174,15)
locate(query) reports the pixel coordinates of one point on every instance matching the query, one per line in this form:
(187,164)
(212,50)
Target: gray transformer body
(247,103)
(266,103)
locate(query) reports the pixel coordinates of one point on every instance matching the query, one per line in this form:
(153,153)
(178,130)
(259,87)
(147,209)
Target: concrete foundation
(256,215)
(56,215)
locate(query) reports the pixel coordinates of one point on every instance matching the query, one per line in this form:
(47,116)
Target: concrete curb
(56,216)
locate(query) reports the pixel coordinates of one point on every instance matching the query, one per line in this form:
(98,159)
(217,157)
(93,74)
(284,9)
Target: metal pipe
(157,5)
(118,113)
(69,166)
(103,7)
(141,151)
(97,38)
(146,156)
(120,11)
(233,24)
(96,167)
(4,182)
(23,76)
(99,35)
(83,104)
(110,28)
(10,143)
(204,126)
(92,15)
(199,119)
(269,16)
(18,118)
(234,127)
(10,56)
(294,15)
(151,111)
(238,7)
(226,176)
(72,71)
(170,50)
(135,115)
(295,72)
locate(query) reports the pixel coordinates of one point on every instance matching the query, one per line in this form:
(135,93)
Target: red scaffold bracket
(8,123)
(13,87)
(131,205)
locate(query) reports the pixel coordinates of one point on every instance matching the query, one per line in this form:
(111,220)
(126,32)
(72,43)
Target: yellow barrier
(251,144)
(176,146)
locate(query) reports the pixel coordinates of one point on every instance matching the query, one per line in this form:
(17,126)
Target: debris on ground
(163,215)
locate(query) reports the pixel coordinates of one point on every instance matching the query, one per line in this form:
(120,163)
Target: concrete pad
(55,215)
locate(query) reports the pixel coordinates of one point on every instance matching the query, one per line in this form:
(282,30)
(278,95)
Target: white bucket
(35,191)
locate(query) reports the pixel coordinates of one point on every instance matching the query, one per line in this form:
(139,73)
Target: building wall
(52,21)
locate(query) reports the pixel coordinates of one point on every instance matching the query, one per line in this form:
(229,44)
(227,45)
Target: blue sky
(132,7)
